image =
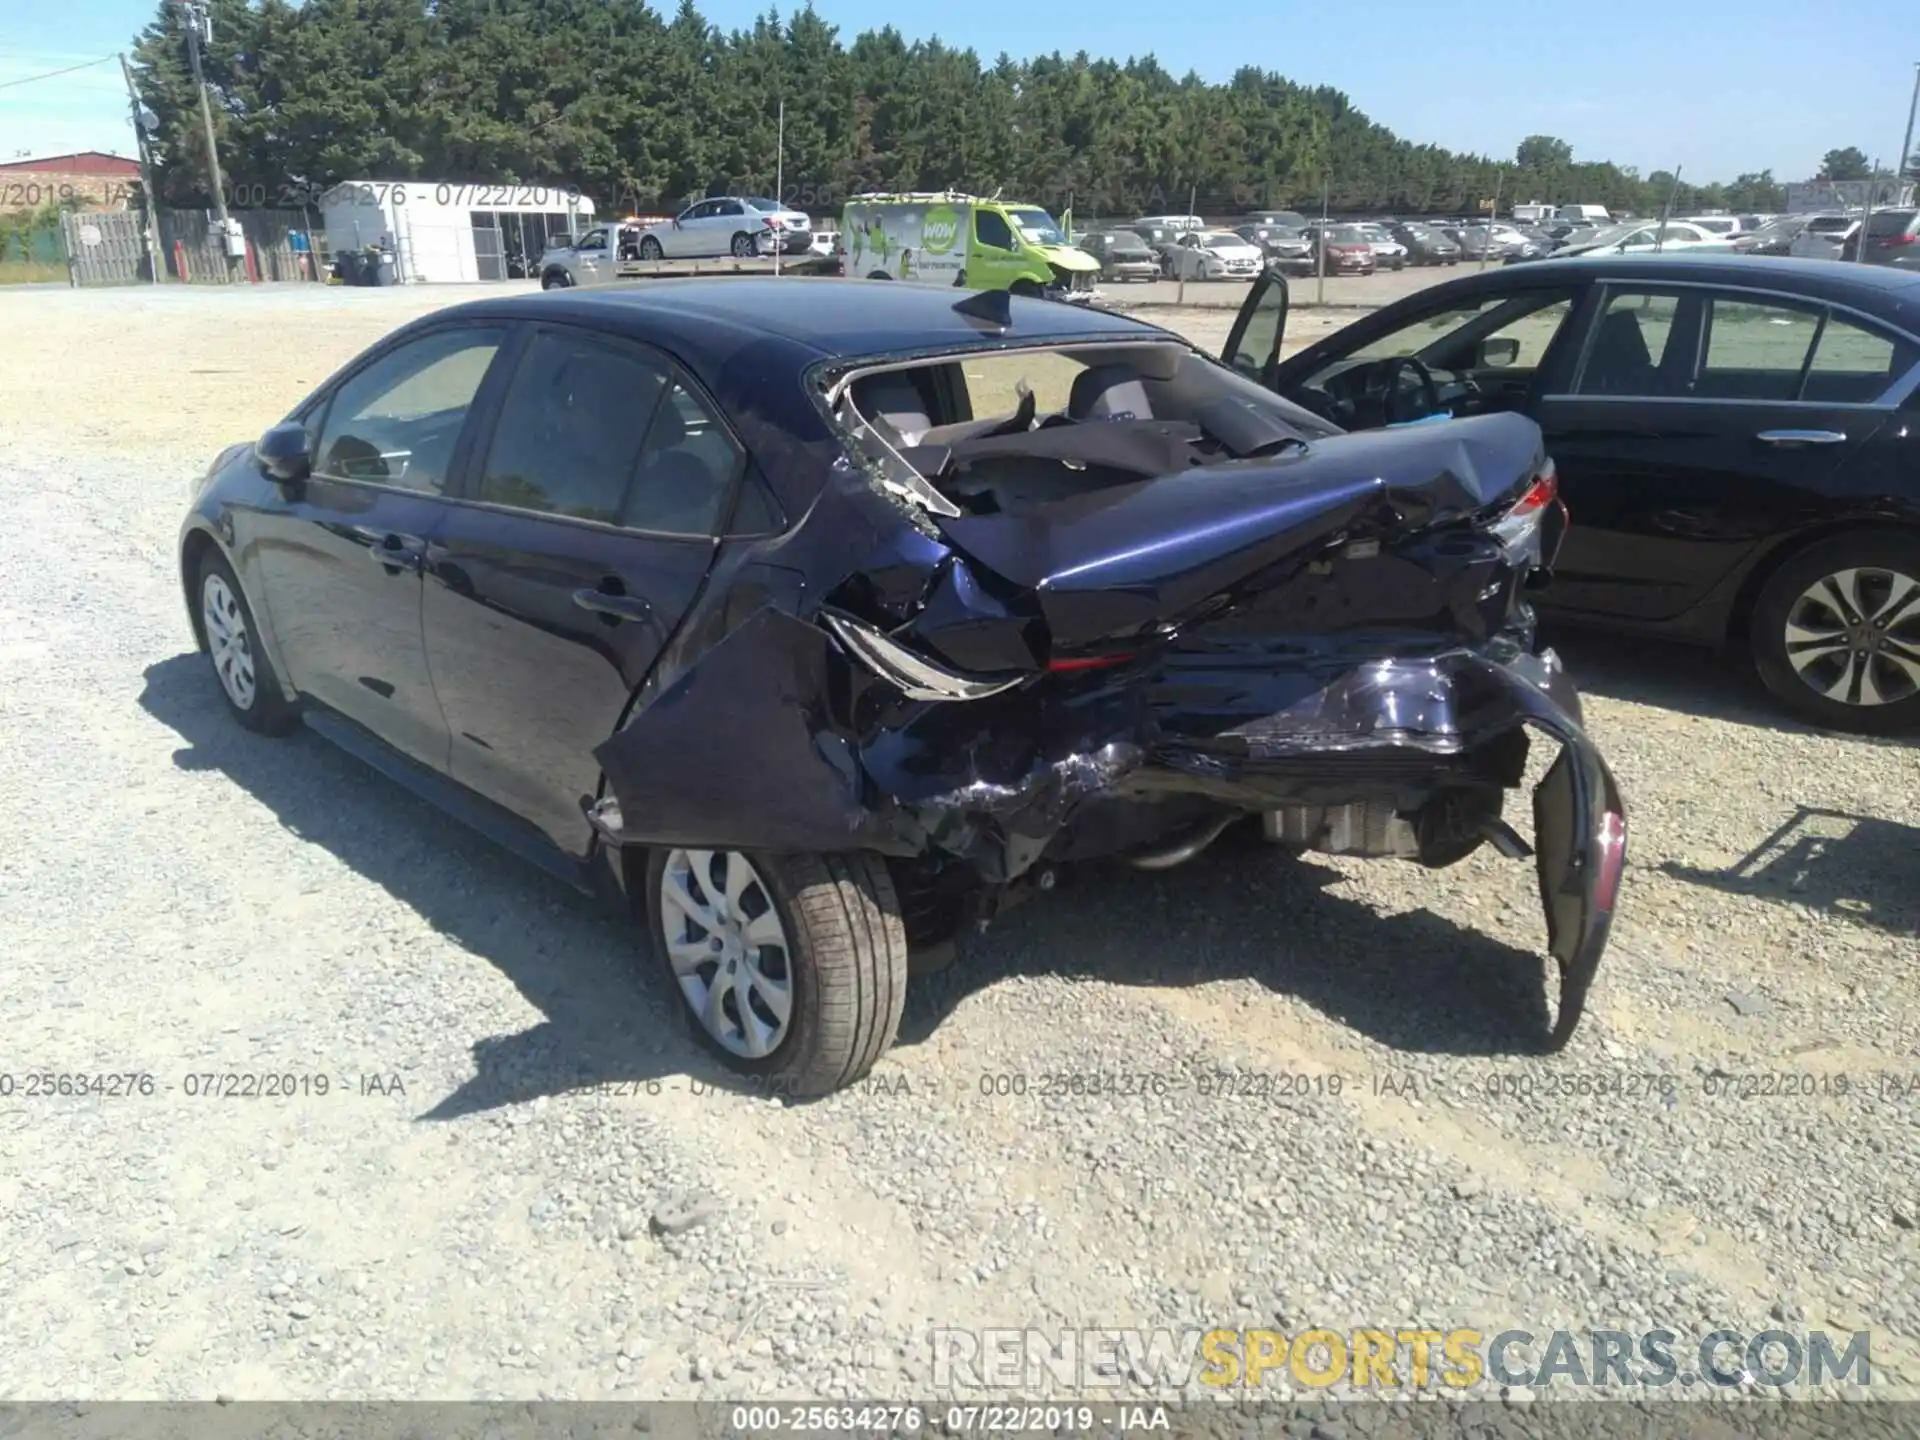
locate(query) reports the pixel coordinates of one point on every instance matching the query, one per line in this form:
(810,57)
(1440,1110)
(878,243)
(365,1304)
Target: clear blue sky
(1716,86)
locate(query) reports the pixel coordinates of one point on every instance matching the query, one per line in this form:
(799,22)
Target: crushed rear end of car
(1114,637)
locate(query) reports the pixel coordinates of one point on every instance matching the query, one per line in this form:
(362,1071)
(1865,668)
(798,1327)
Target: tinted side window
(1854,366)
(570,429)
(686,471)
(1755,350)
(1628,352)
(594,240)
(992,229)
(396,421)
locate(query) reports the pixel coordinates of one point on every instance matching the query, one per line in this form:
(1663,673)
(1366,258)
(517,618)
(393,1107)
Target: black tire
(878,275)
(1024,288)
(848,968)
(650,249)
(555,280)
(1882,558)
(743,246)
(266,710)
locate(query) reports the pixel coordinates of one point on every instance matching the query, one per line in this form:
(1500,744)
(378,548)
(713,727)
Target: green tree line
(646,110)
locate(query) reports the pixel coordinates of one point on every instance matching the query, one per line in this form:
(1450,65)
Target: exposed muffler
(1370,828)
(1180,851)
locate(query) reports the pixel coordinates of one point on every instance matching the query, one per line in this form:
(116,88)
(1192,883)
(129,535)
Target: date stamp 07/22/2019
(1499,1087)
(261,1084)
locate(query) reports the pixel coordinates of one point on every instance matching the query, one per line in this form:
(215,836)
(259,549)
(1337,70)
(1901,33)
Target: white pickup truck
(605,253)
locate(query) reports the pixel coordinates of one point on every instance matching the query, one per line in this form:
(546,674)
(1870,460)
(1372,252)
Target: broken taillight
(1061,663)
(1518,531)
(1611,845)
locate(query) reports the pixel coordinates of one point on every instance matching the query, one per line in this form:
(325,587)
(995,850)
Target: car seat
(677,489)
(1619,362)
(893,402)
(1108,392)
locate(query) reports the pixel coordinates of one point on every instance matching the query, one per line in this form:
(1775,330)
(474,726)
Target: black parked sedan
(784,610)
(1738,446)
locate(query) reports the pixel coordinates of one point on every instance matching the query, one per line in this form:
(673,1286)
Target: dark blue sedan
(817,620)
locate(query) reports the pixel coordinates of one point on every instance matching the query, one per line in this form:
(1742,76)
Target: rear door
(1702,423)
(584,529)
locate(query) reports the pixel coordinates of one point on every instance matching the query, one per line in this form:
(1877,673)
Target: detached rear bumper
(1402,737)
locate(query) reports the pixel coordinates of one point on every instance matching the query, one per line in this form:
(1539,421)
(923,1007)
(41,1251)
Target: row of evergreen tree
(646,111)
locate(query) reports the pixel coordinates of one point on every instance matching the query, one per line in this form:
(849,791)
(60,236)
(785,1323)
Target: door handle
(612,606)
(399,552)
(1802,437)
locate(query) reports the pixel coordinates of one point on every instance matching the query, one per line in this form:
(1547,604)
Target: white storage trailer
(448,231)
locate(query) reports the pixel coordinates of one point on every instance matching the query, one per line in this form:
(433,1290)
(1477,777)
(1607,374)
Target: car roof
(825,315)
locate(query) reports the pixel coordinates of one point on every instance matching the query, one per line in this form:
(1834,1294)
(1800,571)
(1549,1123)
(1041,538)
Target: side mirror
(1498,353)
(286,453)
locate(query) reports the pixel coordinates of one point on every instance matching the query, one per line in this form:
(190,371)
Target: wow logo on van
(940,230)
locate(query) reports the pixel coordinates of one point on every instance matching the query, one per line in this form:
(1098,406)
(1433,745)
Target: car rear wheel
(1835,634)
(1026,288)
(650,249)
(791,968)
(743,246)
(247,679)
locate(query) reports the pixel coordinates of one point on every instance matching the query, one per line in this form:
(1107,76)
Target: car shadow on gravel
(608,1024)
(1851,867)
(1414,982)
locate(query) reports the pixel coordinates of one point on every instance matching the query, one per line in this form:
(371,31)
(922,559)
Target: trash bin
(347,265)
(385,271)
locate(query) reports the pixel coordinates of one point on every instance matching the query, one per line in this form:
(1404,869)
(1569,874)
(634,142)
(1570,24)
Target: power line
(48,75)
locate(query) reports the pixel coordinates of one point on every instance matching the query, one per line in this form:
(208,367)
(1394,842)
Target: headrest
(1108,392)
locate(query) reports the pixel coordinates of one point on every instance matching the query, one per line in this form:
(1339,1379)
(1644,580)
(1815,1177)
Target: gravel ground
(524,1182)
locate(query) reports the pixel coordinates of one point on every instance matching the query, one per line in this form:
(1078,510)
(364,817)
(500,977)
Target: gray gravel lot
(524,1181)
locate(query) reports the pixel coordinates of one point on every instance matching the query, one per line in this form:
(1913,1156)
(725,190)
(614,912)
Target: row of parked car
(1887,237)
(1186,247)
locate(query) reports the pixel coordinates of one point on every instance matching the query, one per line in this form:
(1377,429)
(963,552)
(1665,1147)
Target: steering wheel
(1390,404)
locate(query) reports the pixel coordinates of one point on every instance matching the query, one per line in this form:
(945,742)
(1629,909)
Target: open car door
(1253,345)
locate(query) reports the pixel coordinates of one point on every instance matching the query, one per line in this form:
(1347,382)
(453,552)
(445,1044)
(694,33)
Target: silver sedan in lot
(1213,255)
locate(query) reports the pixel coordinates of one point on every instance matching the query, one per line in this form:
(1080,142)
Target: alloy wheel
(728,949)
(1854,636)
(227,641)
(744,248)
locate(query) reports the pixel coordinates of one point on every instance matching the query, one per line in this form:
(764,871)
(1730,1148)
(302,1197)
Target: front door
(585,529)
(994,263)
(342,559)
(1700,424)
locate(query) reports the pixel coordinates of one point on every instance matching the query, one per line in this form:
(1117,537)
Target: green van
(961,240)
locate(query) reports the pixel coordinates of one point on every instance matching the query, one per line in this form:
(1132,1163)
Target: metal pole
(779,177)
(1666,211)
(196,17)
(1499,181)
(1320,249)
(1193,198)
(151,228)
(1866,216)
(1906,145)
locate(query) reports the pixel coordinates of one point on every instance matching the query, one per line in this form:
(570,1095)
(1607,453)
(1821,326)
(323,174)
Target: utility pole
(200,26)
(151,196)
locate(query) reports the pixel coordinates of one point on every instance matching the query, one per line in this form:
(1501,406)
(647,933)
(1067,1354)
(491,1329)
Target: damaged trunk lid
(1112,563)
